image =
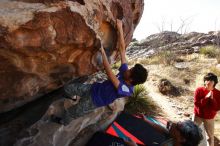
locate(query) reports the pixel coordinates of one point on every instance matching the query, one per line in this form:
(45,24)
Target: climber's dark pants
(85,104)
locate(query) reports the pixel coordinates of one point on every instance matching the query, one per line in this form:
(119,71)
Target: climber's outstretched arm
(108,69)
(121,41)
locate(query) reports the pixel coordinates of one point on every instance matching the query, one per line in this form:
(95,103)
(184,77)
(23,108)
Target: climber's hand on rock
(119,24)
(101,49)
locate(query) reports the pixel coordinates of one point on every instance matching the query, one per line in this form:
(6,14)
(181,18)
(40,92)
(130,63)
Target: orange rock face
(45,43)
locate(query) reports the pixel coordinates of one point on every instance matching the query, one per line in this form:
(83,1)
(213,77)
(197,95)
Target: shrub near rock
(210,51)
(138,102)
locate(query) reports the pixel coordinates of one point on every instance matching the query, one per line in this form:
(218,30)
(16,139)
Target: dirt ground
(180,107)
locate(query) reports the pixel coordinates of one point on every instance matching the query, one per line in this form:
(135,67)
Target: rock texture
(167,88)
(171,41)
(77,133)
(30,125)
(46,43)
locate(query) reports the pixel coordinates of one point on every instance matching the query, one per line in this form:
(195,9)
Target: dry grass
(132,62)
(215,70)
(211,51)
(150,60)
(167,58)
(191,57)
(218,58)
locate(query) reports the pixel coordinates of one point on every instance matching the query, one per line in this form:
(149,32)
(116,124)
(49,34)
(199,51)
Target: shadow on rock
(14,123)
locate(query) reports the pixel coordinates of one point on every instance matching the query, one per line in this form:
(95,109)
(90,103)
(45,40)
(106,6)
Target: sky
(178,15)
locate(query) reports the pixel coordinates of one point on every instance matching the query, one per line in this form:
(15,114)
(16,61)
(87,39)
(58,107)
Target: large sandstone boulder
(46,43)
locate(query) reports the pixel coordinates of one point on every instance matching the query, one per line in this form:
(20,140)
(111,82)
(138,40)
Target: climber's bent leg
(82,90)
(84,106)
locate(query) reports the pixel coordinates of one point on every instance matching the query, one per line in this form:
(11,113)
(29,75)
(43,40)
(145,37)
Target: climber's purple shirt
(105,93)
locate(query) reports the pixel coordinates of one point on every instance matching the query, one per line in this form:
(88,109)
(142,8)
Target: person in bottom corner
(206,105)
(184,133)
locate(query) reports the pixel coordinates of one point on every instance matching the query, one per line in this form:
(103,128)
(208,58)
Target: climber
(101,94)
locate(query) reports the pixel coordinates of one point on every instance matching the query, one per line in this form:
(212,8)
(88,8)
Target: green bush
(134,43)
(116,65)
(138,103)
(210,51)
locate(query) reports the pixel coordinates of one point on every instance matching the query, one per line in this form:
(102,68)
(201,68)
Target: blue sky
(198,15)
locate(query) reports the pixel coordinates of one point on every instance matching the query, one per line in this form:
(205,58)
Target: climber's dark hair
(190,132)
(138,74)
(211,77)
